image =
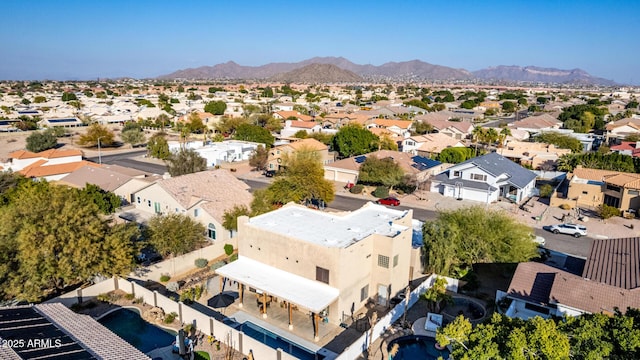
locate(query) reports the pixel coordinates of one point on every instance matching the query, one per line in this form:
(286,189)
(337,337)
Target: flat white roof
(309,294)
(331,229)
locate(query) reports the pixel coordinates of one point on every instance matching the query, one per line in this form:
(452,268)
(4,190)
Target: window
(613,187)
(456,173)
(383,261)
(195,212)
(634,192)
(395,261)
(364,293)
(479,177)
(211,231)
(585,193)
(322,275)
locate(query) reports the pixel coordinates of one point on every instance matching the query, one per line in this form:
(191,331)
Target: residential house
(216,153)
(71,121)
(417,167)
(398,127)
(327,264)
(120,180)
(532,154)
(630,148)
(486,178)
(203,196)
(293,126)
(429,145)
(537,124)
(278,153)
(52,164)
(622,128)
(593,187)
(289,115)
(610,281)
(440,121)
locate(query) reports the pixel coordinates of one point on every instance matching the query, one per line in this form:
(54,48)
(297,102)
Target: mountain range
(339,69)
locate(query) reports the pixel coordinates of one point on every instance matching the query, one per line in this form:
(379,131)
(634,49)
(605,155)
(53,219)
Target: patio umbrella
(220,301)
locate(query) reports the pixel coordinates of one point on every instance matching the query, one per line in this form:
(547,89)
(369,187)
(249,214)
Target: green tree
(301,134)
(267,92)
(455,155)
(158,146)
(376,171)
(106,201)
(353,140)
(55,239)
(230,217)
(254,133)
(39,99)
(560,140)
(258,159)
(508,107)
(41,141)
(195,124)
(387,143)
(458,239)
(229,125)
(175,234)
(422,127)
(302,180)
(633,104)
(185,161)
(68,96)
(437,295)
(133,137)
(95,133)
(215,107)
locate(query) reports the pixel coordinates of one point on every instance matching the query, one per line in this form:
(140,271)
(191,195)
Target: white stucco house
(485,179)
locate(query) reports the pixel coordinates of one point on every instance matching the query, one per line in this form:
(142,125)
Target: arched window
(211,231)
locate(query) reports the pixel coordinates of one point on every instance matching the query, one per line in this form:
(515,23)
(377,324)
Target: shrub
(356,189)
(607,211)
(187,296)
(405,188)
(546,190)
(565,207)
(173,286)
(233,257)
(164,278)
(381,192)
(170,317)
(217,265)
(197,292)
(228,249)
(104,297)
(129,296)
(201,263)
(138,300)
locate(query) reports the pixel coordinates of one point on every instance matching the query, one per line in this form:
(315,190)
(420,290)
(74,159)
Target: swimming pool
(417,347)
(144,336)
(277,342)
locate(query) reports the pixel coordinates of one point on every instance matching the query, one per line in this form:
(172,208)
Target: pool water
(417,347)
(133,329)
(273,340)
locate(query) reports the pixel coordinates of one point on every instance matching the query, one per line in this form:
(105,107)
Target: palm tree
(477,134)
(504,132)
(492,136)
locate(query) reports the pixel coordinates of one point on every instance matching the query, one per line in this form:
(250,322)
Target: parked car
(569,229)
(270,173)
(389,201)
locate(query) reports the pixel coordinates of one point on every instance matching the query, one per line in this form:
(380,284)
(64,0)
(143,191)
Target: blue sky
(67,39)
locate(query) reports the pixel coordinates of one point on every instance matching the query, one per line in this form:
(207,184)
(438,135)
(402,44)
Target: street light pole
(99,152)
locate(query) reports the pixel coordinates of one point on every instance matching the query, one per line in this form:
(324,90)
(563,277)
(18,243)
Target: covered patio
(275,290)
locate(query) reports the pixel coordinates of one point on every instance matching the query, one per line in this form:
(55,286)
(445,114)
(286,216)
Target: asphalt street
(561,243)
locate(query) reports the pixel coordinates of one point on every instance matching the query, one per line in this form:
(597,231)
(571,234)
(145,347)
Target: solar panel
(34,336)
(360,159)
(423,163)
(61,120)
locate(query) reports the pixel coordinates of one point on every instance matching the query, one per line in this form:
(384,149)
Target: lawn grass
(202,355)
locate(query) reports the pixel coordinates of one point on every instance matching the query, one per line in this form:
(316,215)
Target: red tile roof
(47,154)
(39,169)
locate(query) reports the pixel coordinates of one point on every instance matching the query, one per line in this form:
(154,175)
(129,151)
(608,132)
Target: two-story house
(326,264)
(429,145)
(485,178)
(277,154)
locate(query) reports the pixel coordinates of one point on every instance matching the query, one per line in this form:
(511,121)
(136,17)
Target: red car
(389,201)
